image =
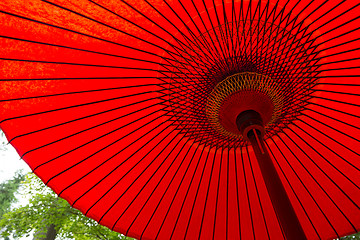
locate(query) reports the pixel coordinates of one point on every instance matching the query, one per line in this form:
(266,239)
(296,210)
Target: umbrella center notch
(239,93)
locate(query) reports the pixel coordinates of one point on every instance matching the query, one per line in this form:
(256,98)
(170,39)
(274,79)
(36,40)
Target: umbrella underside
(126,109)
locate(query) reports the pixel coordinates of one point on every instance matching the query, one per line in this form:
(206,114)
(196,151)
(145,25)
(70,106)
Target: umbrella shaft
(280,200)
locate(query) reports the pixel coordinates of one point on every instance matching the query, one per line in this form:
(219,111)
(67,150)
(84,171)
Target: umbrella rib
(192,93)
(221,41)
(330,91)
(87,65)
(162,123)
(257,193)
(218,40)
(206,196)
(113,170)
(334,139)
(267,69)
(177,190)
(342,52)
(189,40)
(86,91)
(234,41)
(237,22)
(260,47)
(338,36)
(84,50)
(197,191)
(186,194)
(327,194)
(322,15)
(138,26)
(297,59)
(84,78)
(73,106)
(157,144)
(343,60)
(210,47)
(338,83)
(91,141)
(155,189)
(302,183)
(193,36)
(207,192)
(237,190)
(229,35)
(271,47)
(217,192)
(274,17)
(247,193)
(252,20)
(291,187)
(350,125)
(312,197)
(336,110)
(168,186)
(177,74)
(312,32)
(120,216)
(221,51)
(83,34)
(337,45)
(296,56)
(204,41)
(321,171)
(245,17)
(352,201)
(340,14)
(227,194)
(102,163)
(352,225)
(157,185)
(229,32)
(173,46)
(338,101)
(114,28)
(189,86)
(81,118)
(260,13)
(301,89)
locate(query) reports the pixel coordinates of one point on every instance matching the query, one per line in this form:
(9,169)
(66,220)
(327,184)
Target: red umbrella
(142,114)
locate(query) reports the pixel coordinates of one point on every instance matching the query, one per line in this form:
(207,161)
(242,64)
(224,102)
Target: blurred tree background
(45,215)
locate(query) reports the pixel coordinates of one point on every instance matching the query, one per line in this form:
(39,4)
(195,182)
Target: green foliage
(8,190)
(355,236)
(45,208)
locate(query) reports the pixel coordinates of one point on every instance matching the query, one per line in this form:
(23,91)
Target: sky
(10,161)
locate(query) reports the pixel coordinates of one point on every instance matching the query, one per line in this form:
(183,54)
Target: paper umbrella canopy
(190,119)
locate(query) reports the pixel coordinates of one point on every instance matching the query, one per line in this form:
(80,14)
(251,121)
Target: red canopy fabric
(106,102)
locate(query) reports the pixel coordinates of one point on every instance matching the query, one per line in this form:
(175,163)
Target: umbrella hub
(239,93)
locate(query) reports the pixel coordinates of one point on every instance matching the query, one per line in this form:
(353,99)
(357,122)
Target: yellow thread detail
(246,81)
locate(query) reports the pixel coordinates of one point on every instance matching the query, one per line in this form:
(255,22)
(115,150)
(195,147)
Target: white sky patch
(10,161)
